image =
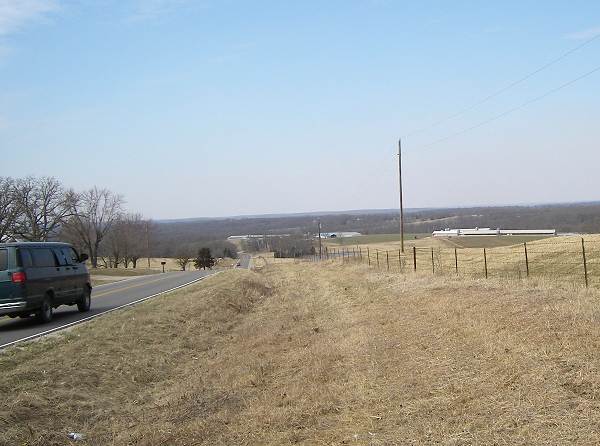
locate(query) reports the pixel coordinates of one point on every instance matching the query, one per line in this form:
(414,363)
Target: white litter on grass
(76,436)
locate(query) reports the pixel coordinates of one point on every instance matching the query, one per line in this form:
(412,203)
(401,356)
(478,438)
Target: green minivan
(36,277)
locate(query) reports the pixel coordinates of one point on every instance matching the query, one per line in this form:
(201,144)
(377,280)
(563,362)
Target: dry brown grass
(270,259)
(318,354)
(555,258)
(155,265)
(226,262)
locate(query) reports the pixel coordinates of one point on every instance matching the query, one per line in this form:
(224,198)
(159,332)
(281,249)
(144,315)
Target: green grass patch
(489,242)
(374,238)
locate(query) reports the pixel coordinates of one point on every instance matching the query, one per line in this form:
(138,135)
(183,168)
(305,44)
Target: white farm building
(492,232)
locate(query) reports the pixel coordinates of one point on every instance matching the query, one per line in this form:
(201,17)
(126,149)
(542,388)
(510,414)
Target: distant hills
(170,235)
(372,212)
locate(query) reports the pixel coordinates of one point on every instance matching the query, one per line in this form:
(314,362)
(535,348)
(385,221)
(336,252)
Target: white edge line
(79,321)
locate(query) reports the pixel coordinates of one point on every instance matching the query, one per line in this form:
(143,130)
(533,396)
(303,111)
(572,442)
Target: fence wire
(575,260)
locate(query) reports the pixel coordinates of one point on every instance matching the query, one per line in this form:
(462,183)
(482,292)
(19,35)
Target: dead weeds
(318,354)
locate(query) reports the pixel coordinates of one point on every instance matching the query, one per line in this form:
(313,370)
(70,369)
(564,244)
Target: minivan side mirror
(83,257)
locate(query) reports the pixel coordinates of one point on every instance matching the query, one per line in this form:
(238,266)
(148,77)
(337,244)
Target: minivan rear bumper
(12,307)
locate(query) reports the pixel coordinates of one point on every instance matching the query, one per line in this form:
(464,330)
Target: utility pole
(320,247)
(148,244)
(401,203)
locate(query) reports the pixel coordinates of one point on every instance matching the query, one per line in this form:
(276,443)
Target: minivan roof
(34,244)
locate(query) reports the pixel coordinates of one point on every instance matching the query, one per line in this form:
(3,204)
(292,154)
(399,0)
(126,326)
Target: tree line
(290,246)
(93,220)
(202,260)
(578,217)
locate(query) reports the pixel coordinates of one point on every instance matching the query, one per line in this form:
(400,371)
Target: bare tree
(42,205)
(93,214)
(129,233)
(8,208)
(149,228)
(183,258)
(114,245)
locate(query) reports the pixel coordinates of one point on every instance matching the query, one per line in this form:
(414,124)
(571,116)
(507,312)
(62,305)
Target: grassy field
(560,258)
(155,267)
(490,242)
(372,238)
(318,354)
(154,264)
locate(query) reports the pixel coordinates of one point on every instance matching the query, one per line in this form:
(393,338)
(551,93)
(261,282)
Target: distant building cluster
(339,234)
(492,232)
(246,237)
(323,235)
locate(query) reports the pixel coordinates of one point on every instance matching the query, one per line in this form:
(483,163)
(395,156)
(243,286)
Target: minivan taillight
(19,277)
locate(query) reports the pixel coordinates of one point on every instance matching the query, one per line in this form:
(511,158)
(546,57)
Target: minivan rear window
(70,255)
(3,259)
(25,258)
(43,257)
(62,260)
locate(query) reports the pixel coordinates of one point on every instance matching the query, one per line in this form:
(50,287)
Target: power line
(506,88)
(514,109)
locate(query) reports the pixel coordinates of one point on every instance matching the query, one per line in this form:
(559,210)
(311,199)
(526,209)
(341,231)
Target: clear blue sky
(211,108)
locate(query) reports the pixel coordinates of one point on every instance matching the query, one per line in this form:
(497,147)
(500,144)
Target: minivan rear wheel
(46,311)
(85,302)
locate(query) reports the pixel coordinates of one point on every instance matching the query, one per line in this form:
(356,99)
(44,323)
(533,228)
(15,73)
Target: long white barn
(492,232)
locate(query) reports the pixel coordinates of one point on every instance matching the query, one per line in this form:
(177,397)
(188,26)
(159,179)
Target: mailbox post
(163,263)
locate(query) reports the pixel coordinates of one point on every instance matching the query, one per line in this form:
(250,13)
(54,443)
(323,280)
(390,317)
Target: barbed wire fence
(574,260)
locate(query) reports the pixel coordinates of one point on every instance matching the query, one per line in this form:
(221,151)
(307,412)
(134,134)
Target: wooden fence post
(326,253)
(368,256)
(387,259)
(415,258)
(485,263)
(456,260)
(377,255)
(432,263)
(526,259)
(585,271)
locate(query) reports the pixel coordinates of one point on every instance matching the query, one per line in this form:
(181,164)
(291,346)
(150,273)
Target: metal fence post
(585,271)
(326,253)
(400,260)
(369,256)
(360,253)
(377,255)
(387,259)
(485,263)
(456,260)
(432,263)
(526,259)
(415,258)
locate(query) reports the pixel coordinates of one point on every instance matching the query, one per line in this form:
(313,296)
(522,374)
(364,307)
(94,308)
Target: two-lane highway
(105,298)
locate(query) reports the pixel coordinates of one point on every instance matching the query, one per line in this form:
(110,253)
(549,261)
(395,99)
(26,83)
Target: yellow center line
(126,288)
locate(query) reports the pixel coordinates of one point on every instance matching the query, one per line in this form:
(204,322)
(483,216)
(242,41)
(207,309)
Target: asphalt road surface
(245,260)
(105,298)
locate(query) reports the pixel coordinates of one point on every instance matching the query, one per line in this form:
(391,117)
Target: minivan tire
(46,311)
(85,302)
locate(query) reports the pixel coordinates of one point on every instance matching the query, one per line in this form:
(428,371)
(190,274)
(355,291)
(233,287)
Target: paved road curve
(245,260)
(104,298)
